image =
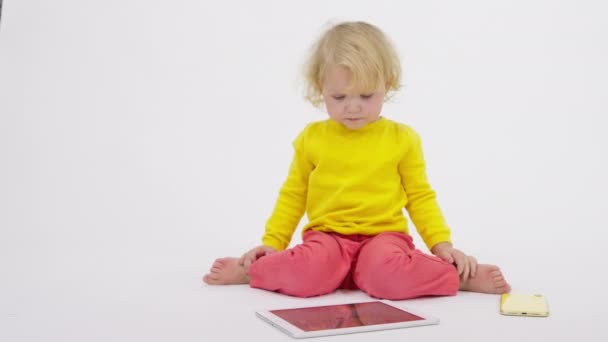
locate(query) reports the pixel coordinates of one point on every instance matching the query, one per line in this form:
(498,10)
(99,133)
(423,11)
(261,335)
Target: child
(353,174)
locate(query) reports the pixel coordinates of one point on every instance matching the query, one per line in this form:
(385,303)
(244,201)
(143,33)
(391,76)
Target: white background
(140,140)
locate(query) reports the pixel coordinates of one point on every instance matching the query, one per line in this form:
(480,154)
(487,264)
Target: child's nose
(353,105)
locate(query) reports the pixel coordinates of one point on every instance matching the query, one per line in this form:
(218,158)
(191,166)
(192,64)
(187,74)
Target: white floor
(121,299)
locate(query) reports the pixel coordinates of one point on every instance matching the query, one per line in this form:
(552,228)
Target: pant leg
(390,267)
(316,267)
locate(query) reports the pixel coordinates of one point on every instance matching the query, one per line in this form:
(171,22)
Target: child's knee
(377,276)
(406,275)
(310,269)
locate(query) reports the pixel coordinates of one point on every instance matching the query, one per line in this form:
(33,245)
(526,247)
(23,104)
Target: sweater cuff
(437,238)
(273,242)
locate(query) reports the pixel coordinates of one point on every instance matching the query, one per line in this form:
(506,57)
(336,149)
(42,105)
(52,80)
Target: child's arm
(424,210)
(291,203)
(288,210)
(421,204)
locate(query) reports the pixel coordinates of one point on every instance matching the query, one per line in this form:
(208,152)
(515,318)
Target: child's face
(352,109)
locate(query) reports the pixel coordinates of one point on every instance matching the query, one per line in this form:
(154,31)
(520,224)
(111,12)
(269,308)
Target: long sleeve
(291,203)
(421,202)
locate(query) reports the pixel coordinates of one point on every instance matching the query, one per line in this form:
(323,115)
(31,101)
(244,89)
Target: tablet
(344,319)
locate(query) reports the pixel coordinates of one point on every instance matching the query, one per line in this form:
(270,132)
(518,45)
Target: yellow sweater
(356,182)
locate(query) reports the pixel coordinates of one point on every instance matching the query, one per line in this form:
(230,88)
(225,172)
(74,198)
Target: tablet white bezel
(296,332)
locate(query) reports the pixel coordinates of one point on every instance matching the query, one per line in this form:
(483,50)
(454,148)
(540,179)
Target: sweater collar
(343,129)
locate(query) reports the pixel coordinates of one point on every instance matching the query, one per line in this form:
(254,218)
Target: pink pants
(384,266)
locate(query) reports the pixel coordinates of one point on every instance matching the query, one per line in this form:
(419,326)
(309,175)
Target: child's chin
(354,124)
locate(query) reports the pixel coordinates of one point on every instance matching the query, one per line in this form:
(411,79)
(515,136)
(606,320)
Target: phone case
(524,305)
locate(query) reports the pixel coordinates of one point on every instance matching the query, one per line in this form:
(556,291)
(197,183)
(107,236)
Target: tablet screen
(345,316)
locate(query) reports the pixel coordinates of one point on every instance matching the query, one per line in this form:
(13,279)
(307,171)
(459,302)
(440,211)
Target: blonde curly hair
(360,47)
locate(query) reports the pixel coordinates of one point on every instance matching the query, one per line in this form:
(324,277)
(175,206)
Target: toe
(210,279)
(500,284)
(495,273)
(498,278)
(503,289)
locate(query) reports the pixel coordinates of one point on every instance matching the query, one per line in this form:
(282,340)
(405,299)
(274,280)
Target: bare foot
(489,279)
(226,271)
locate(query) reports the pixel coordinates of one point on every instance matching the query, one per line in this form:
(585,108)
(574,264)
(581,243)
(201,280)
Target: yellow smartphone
(524,305)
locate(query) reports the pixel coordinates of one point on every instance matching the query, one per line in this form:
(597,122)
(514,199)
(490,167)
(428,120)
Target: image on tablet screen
(345,316)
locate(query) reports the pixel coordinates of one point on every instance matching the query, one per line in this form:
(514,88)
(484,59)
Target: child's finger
(446,257)
(460,264)
(247,263)
(459,267)
(473,267)
(466,270)
(249,258)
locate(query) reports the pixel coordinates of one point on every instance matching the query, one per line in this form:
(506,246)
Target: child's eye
(338,97)
(366,96)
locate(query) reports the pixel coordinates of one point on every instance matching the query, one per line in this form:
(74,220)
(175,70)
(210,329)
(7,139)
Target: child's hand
(254,254)
(465,264)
